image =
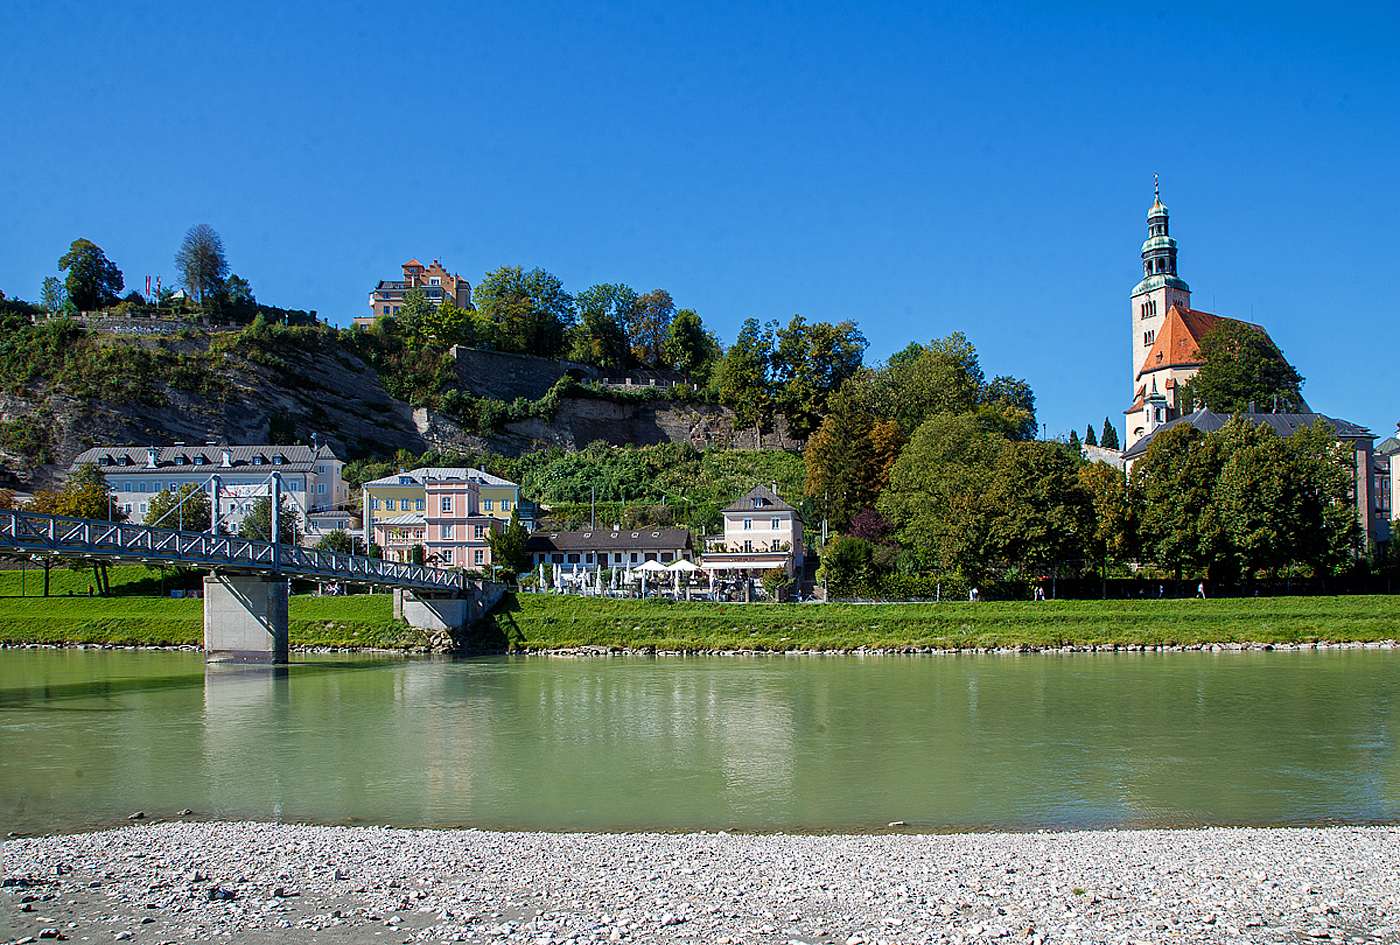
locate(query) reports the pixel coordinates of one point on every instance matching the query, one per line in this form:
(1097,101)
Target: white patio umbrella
(543,586)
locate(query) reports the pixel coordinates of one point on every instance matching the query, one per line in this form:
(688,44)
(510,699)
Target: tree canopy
(93,281)
(203,268)
(257,524)
(187,509)
(1242,366)
(83,495)
(524,312)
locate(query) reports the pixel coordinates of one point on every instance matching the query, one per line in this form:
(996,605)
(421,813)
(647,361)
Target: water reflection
(814,743)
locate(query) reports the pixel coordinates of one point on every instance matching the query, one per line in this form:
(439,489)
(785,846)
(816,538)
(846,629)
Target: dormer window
(201,460)
(279,460)
(259,460)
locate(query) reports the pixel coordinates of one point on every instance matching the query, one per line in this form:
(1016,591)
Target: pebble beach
(255,882)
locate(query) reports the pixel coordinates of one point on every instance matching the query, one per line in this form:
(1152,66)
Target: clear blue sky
(920,168)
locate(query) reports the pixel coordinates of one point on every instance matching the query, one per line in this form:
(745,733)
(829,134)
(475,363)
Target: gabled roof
(412,262)
(771,502)
(1284,424)
(1179,339)
(424,473)
(1388,446)
(132,459)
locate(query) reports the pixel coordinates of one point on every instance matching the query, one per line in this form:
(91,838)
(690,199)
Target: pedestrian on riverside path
(1201,591)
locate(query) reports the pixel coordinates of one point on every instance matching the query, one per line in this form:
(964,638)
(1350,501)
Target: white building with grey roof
(312,481)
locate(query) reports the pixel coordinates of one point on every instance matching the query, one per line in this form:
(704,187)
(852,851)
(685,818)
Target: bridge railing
(40,534)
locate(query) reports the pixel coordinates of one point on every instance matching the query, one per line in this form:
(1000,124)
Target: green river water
(779,743)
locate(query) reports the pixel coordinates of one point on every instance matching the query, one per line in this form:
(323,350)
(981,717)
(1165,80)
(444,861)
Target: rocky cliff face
(255,396)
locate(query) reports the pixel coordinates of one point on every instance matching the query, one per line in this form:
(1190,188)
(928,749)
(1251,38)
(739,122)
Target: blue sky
(920,168)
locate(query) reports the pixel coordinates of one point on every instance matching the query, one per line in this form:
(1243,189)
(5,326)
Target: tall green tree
(447,324)
(950,455)
(650,326)
(848,461)
(923,381)
(93,281)
(54,296)
(1109,439)
(524,312)
(604,312)
(744,376)
(1242,366)
(810,363)
(691,349)
(238,300)
(508,547)
(1089,438)
(84,494)
(1034,512)
(1007,405)
(1174,481)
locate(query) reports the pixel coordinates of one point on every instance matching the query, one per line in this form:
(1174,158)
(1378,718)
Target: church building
(1166,333)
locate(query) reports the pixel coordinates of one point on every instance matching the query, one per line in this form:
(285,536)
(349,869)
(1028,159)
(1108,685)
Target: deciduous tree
(650,326)
(810,364)
(743,376)
(93,282)
(257,524)
(84,494)
(691,349)
(524,312)
(203,268)
(1242,366)
(605,310)
(508,547)
(949,455)
(186,509)
(848,461)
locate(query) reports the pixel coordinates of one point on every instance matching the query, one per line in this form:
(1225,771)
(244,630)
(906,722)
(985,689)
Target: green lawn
(549,622)
(138,617)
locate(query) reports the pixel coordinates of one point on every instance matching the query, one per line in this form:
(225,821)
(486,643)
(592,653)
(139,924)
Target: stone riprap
(246,882)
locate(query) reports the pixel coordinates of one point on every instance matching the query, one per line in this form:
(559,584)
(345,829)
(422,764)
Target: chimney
(227,457)
(150,457)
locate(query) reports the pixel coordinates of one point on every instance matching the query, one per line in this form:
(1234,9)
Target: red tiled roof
(1179,339)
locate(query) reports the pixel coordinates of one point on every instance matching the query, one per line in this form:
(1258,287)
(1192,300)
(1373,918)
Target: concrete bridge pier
(432,612)
(245,619)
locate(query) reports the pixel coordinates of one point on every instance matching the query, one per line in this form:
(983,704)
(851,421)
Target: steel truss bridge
(37,534)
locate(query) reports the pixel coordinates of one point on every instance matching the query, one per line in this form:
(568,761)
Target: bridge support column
(432,613)
(245,619)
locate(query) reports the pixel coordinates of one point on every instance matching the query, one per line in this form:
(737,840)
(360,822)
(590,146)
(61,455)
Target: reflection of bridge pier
(245,618)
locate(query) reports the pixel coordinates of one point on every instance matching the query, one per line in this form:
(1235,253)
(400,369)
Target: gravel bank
(186,882)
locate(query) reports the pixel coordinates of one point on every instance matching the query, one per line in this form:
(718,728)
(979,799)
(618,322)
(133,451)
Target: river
(777,743)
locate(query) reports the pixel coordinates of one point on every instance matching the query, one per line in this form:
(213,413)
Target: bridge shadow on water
(49,696)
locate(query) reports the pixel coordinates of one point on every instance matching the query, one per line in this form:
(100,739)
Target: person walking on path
(1201,591)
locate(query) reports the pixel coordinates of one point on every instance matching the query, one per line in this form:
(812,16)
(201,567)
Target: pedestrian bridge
(245,599)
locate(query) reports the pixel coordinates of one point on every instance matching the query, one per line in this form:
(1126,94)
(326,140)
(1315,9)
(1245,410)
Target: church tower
(1159,289)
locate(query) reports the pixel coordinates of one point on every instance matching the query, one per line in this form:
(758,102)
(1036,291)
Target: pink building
(456,528)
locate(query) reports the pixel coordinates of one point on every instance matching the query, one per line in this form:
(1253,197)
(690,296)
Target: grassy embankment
(546,622)
(539,622)
(139,615)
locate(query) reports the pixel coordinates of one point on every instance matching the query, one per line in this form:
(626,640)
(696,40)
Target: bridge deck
(55,535)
